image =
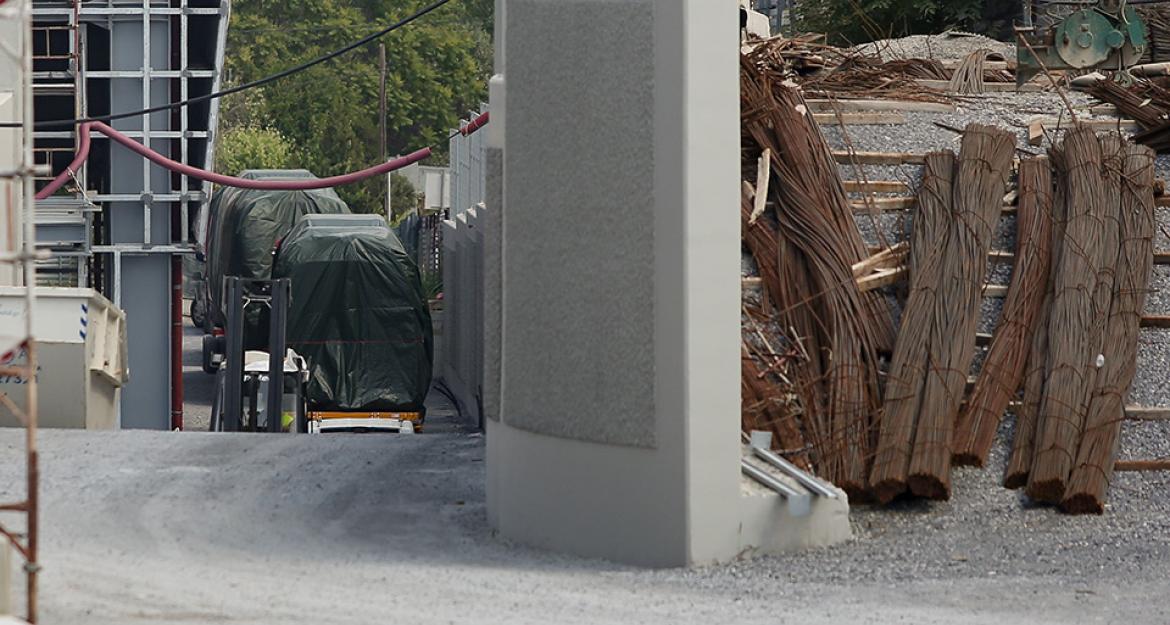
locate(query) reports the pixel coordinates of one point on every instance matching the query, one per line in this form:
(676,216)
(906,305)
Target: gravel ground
(161,527)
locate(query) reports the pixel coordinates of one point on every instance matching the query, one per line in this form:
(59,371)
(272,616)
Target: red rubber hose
(475,124)
(228,181)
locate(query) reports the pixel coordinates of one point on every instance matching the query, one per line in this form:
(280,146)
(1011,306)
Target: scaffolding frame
(116,210)
(25,544)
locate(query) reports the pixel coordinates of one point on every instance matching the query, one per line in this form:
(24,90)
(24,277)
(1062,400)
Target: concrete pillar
(618,434)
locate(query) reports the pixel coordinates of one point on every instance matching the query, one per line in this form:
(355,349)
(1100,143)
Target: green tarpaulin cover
(358,314)
(245,225)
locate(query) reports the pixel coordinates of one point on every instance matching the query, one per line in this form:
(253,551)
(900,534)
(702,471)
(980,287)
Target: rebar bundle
(958,207)
(1027,414)
(909,366)
(968,77)
(1144,101)
(1093,466)
(1157,19)
(1083,358)
(1003,369)
(1036,371)
(1076,316)
(842,329)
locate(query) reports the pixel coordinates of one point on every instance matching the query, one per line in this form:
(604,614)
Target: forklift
(245,399)
(247,375)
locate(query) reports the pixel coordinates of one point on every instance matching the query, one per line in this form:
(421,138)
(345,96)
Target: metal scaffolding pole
(26,544)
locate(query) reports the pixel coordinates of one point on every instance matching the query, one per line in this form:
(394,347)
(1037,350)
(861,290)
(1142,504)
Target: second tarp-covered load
(358,314)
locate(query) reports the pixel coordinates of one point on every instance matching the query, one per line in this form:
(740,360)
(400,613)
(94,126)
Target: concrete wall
(459,366)
(466,183)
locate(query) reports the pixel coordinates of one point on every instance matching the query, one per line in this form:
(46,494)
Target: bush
(252,147)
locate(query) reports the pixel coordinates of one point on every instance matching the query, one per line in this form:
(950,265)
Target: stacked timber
(958,206)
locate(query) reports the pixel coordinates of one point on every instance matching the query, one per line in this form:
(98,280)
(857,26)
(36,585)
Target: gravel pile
(950,45)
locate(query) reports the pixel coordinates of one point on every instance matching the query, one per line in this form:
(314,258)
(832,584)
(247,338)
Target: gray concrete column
(619,380)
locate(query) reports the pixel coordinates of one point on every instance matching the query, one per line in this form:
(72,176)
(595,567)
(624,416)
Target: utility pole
(382,123)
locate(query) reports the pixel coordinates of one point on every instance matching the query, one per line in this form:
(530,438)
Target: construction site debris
(829,72)
(814,291)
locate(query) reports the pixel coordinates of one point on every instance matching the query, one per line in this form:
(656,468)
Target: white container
(82,352)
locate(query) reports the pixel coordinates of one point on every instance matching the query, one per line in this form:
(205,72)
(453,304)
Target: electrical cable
(249,85)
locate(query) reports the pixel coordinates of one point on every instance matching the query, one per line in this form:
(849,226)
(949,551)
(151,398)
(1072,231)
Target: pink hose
(228,181)
(475,124)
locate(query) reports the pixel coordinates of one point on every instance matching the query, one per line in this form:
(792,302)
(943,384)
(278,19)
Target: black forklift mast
(276,293)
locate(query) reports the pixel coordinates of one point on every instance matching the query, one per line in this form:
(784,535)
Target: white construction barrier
(81,354)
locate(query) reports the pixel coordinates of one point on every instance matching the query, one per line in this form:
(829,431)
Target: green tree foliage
(858,21)
(252,147)
(437,71)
